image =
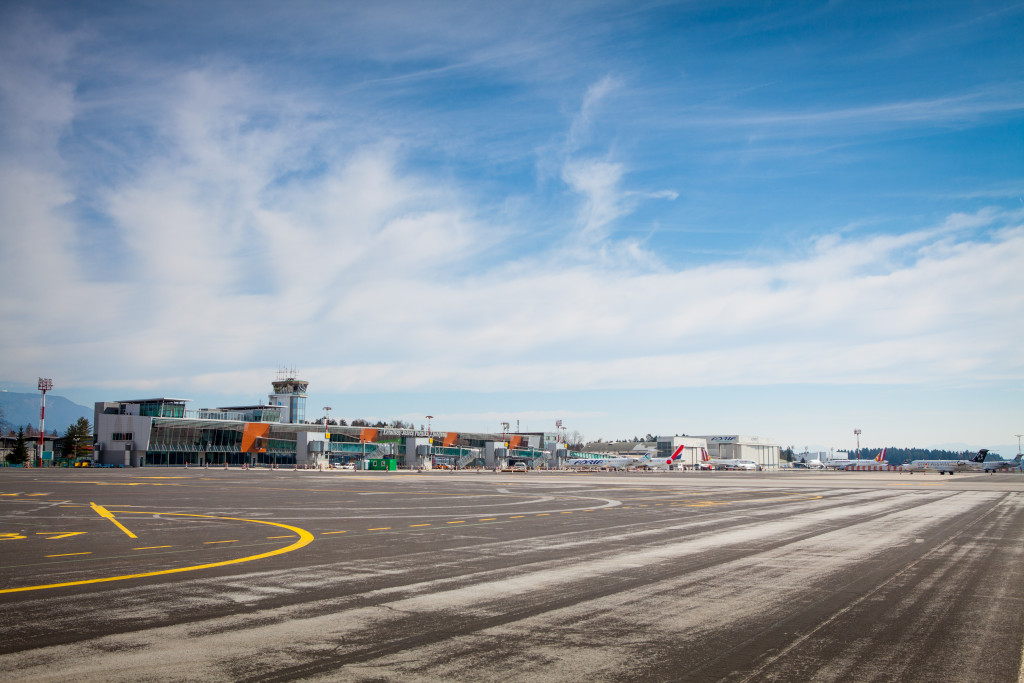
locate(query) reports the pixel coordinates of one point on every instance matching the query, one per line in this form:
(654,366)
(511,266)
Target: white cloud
(598,181)
(246,236)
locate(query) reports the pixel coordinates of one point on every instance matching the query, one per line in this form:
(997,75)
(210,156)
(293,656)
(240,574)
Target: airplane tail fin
(980,457)
(704,455)
(881,456)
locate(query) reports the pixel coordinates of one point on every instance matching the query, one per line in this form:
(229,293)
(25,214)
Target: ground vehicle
(519,467)
(83,462)
(347,466)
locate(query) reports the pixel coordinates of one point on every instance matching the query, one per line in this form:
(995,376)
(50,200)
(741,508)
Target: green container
(383,464)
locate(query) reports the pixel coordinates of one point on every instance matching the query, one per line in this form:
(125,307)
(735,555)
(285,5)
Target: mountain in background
(20,410)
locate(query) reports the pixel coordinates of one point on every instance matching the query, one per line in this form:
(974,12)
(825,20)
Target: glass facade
(297,409)
(217,443)
(162,409)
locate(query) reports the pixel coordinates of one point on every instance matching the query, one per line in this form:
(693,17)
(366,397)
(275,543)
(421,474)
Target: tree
(78,439)
(19,456)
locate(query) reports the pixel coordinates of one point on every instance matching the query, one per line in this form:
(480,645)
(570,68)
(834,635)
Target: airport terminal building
(164,432)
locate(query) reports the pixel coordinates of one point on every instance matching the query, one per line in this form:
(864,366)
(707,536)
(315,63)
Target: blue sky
(787,220)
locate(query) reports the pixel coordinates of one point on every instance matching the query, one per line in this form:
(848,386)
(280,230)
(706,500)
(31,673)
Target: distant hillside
(23,409)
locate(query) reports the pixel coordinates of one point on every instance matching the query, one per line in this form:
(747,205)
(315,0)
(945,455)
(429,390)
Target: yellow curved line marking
(305,538)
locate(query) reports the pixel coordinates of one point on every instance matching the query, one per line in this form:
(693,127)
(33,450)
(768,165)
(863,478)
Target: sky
(786,220)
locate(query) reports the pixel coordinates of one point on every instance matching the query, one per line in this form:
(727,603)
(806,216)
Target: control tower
(290,395)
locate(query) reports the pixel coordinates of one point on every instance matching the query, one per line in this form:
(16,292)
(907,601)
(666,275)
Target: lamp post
(327,434)
(44,386)
(430,445)
(856,433)
(504,444)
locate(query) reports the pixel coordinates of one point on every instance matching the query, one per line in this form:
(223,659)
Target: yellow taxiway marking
(542,514)
(412,525)
(271,538)
(103,512)
(153,547)
(461,521)
(59,534)
(487,519)
(37,494)
(61,555)
(567,512)
(305,538)
(517,516)
(380,528)
(333,532)
(212,542)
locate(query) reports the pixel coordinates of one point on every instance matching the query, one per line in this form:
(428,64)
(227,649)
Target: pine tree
(78,439)
(19,456)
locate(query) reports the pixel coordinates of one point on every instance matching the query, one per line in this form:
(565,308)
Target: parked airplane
(623,462)
(995,466)
(709,463)
(844,463)
(975,464)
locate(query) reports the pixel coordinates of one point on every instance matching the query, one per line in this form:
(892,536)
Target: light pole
(327,434)
(1018,442)
(504,444)
(857,434)
(44,386)
(430,445)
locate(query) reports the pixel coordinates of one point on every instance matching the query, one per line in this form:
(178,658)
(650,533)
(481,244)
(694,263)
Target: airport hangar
(162,432)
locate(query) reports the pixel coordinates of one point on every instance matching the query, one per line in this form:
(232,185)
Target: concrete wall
(110,452)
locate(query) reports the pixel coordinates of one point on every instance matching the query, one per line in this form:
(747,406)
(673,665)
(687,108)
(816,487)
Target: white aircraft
(844,463)
(619,463)
(975,464)
(709,463)
(997,465)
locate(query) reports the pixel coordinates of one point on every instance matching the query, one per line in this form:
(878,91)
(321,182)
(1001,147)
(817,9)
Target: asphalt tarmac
(169,574)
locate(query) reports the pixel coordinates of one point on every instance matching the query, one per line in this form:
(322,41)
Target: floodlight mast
(44,386)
